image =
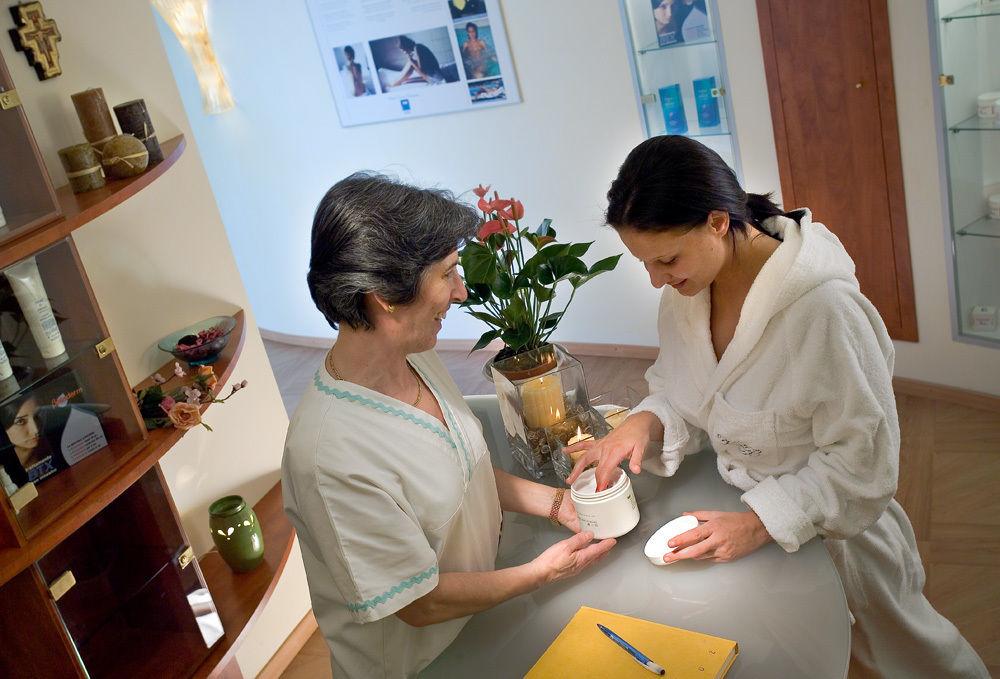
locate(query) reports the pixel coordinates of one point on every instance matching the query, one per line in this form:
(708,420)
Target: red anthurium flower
(494,226)
(481,190)
(485,205)
(513,210)
(500,204)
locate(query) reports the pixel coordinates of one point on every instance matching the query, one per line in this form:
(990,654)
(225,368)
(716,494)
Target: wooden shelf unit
(63,524)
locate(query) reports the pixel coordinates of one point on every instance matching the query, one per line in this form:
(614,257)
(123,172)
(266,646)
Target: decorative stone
(83,167)
(124,156)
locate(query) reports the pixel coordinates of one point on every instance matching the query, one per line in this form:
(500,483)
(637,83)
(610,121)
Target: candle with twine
(124,156)
(83,167)
(92,109)
(133,118)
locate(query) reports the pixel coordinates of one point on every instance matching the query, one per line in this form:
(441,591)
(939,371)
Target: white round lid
(656,546)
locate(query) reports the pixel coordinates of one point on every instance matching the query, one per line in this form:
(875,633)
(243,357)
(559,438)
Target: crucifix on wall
(36,36)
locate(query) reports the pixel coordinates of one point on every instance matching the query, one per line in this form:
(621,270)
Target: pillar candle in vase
(133,118)
(83,167)
(542,401)
(92,109)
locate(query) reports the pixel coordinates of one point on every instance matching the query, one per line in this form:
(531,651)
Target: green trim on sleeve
(393,591)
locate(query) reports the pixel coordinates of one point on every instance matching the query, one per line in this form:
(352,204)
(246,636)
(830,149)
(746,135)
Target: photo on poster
(354,69)
(415,60)
(466,9)
(487,90)
(680,21)
(479,54)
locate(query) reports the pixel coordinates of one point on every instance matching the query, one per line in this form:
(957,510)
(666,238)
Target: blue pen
(636,654)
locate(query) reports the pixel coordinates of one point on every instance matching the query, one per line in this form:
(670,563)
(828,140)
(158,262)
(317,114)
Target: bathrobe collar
(808,256)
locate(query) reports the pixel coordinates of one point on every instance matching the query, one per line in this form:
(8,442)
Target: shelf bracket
(945,80)
(9,99)
(61,585)
(105,348)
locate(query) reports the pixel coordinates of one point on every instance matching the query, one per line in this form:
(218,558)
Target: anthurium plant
(512,275)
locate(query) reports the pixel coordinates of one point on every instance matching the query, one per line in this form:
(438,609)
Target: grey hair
(374,234)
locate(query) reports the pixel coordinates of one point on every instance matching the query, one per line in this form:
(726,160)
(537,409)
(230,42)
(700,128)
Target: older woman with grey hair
(386,475)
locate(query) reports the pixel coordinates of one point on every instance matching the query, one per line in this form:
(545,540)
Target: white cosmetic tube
(5,369)
(3,220)
(31,297)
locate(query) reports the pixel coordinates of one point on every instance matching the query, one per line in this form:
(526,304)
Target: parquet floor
(948,484)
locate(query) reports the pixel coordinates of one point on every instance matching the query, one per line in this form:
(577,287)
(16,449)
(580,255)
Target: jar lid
(989,96)
(585,485)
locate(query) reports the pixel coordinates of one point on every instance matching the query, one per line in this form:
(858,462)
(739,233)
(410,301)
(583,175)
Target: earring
(391,308)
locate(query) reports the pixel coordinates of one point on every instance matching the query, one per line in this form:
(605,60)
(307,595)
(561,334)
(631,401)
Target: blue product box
(673,109)
(706,103)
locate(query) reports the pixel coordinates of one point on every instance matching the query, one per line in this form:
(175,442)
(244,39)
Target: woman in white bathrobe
(386,475)
(770,353)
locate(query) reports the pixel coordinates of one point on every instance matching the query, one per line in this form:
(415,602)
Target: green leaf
(485,339)
(504,285)
(550,321)
(479,265)
(517,337)
(488,318)
(579,249)
(542,292)
(516,313)
(606,264)
(564,267)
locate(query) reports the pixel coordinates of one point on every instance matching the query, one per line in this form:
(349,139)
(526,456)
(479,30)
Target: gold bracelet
(556,504)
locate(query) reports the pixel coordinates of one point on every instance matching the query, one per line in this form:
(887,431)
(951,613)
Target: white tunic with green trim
(384,498)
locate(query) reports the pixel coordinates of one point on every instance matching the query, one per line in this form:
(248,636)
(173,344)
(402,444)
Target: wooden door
(829,78)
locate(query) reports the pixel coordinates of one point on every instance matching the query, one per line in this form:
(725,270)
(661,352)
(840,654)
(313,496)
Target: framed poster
(406,58)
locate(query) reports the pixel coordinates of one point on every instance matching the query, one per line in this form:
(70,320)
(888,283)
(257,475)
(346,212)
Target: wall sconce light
(186,19)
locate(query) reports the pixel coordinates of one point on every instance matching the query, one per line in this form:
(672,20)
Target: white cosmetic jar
(656,546)
(986,104)
(609,513)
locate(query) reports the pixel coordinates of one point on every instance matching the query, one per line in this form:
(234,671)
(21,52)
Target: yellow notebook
(582,651)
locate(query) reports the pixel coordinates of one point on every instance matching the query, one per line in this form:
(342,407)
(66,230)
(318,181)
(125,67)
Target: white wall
(272,158)
(159,261)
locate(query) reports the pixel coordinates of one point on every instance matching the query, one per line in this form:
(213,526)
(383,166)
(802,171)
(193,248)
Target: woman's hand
(567,514)
(569,557)
(721,537)
(629,440)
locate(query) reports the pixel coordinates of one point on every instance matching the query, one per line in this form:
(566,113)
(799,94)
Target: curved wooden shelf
(240,597)
(78,209)
(94,486)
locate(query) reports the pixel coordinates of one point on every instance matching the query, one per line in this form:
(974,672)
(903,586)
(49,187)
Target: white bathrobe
(801,414)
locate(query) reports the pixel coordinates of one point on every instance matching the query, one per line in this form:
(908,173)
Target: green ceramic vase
(236,533)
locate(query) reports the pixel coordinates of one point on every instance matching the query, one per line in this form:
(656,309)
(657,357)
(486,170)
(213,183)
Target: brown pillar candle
(83,167)
(92,109)
(133,118)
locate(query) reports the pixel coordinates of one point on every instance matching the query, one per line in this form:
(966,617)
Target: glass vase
(236,533)
(543,397)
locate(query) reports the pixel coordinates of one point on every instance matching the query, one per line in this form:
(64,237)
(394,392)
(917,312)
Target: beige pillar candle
(542,401)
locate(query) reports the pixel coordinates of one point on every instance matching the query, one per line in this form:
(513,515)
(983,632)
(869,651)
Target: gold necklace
(332,367)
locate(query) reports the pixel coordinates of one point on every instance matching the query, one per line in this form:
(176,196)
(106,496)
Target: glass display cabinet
(966,41)
(678,66)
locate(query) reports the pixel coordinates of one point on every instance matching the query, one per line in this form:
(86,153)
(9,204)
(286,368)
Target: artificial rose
(167,403)
(207,375)
(494,226)
(185,415)
(481,190)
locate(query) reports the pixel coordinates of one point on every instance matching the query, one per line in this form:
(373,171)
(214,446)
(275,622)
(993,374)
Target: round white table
(787,611)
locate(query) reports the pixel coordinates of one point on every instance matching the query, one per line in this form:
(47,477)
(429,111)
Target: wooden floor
(948,483)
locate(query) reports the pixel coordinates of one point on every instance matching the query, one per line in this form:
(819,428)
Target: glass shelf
(975,124)
(38,370)
(656,47)
(973,11)
(985,227)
